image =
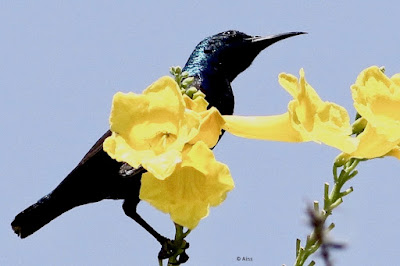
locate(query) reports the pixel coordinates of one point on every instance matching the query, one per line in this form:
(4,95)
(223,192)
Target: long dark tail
(38,215)
(95,178)
(78,188)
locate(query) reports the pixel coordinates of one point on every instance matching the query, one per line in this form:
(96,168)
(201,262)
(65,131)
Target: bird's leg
(168,247)
(130,206)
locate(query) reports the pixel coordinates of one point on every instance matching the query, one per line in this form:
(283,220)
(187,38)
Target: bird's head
(231,52)
(218,59)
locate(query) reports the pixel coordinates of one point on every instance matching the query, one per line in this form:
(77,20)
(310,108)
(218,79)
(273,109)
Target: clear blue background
(61,63)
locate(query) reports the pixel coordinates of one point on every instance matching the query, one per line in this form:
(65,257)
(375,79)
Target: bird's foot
(172,248)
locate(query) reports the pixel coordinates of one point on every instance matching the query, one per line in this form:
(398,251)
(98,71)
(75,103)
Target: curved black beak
(264,42)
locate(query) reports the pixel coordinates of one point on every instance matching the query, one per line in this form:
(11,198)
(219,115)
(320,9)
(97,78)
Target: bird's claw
(166,249)
(170,248)
(183,257)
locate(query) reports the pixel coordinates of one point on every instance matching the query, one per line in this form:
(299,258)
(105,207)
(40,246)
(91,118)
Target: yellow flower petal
(396,79)
(198,105)
(275,128)
(199,182)
(377,99)
(118,149)
(304,95)
(373,144)
(376,96)
(163,165)
(289,83)
(315,119)
(140,118)
(151,129)
(394,153)
(210,128)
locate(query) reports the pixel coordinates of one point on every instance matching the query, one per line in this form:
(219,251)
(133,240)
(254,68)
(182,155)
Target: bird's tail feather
(38,215)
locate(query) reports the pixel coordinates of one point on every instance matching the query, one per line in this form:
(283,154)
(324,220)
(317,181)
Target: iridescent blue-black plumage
(214,63)
(217,60)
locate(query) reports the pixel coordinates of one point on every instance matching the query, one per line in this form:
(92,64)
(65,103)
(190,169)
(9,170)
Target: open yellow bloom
(377,99)
(308,119)
(170,135)
(197,183)
(151,129)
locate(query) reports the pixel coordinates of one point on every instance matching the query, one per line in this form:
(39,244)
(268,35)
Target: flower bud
(341,159)
(185,74)
(187,81)
(178,70)
(359,125)
(191,91)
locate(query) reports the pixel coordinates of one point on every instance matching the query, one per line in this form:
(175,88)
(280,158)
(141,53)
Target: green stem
(179,244)
(331,201)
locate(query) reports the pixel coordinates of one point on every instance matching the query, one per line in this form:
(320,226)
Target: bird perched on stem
(214,64)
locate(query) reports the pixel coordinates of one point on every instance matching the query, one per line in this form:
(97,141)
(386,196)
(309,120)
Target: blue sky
(62,62)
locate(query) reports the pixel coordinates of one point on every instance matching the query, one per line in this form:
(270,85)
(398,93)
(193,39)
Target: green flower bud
(187,82)
(359,125)
(175,70)
(178,70)
(172,71)
(191,91)
(341,159)
(185,74)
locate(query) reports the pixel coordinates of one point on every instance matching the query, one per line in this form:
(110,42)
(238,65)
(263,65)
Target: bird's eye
(229,32)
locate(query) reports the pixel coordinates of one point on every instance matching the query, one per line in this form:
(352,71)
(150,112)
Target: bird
(214,63)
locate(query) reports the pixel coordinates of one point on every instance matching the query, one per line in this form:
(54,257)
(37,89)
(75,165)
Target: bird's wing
(98,146)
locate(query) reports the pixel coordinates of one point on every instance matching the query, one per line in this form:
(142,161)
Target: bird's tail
(38,215)
(92,180)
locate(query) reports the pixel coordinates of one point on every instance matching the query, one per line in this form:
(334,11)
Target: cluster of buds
(185,83)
